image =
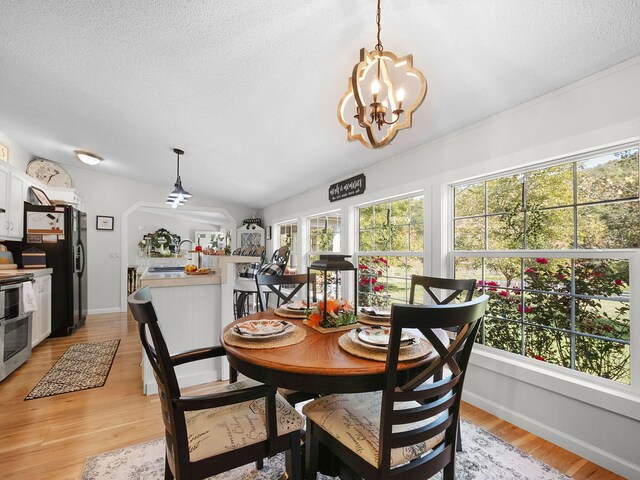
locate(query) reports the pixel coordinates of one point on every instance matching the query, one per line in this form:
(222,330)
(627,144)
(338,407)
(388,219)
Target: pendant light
(382,94)
(179,196)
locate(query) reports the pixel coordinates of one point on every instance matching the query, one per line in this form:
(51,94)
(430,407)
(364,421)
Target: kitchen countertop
(177,279)
(37,272)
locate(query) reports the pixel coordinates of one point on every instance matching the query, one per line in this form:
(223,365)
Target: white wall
(18,156)
(599,421)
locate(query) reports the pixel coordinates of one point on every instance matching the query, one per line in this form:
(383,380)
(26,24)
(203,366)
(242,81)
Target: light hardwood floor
(50,438)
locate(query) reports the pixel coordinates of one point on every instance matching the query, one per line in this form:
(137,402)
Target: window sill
(600,393)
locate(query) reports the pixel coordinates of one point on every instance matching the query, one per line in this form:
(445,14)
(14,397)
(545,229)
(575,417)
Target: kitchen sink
(165,269)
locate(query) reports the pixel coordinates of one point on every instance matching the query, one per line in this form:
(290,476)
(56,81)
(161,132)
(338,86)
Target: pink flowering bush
(372,290)
(545,305)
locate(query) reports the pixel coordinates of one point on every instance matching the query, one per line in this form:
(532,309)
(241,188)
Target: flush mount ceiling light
(88,157)
(372,107)
(179,196)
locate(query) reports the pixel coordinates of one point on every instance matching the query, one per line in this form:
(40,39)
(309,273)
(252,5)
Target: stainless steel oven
(15,324)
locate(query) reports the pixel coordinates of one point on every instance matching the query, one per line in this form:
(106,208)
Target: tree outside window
(570,309)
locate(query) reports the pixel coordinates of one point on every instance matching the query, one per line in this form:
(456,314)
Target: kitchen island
(192,310)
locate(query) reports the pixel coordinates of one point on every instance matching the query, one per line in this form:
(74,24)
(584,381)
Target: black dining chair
(293,284)
(443,291)
(266,284)
(406,431)
(234,425)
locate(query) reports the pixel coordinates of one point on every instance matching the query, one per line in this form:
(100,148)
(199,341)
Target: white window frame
(295,254)
(572,383)
(310,253)
(356,230)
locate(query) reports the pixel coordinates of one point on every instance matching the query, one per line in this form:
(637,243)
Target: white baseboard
(98,311)
(590,452)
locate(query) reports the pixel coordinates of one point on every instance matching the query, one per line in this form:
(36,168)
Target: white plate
(379,336)
(376,312)
(261,328)
(354,336)
(295,306)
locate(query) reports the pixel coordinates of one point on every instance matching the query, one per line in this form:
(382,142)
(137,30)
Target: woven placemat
(418,350)
(295,336)
(281,312)
(371,320)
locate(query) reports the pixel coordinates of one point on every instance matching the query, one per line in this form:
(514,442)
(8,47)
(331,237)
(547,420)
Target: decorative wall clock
(49,173)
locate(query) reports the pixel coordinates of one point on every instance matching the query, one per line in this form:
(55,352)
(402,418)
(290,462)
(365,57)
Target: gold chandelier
(374,115)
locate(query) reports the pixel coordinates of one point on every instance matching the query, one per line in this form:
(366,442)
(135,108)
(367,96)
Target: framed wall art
(104,222)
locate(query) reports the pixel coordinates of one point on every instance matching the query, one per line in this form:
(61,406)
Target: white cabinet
(12,202)
(250,235)
(41,320)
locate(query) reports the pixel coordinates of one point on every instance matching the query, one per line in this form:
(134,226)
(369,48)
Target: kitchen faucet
(188,258)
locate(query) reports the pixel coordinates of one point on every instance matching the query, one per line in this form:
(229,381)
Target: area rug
(485,457)
(82,366)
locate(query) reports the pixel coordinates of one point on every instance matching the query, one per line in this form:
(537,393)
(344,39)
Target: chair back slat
(435,397)
(275,282)
(423,412)
(461,288)
(427,392)
(422,434)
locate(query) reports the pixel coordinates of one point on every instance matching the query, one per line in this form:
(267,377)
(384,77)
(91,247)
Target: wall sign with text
(348,188)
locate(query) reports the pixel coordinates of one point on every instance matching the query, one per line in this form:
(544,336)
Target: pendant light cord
(379,44)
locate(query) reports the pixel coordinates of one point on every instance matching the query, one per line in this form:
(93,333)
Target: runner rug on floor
(83,366)
(485,457)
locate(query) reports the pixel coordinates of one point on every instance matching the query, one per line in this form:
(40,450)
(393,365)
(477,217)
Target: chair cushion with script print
(223,429)
(354,420)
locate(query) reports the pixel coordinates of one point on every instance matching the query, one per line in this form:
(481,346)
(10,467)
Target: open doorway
(183,223)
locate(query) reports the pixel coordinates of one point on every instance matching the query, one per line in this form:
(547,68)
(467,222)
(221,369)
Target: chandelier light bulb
(400,95)
(375,87)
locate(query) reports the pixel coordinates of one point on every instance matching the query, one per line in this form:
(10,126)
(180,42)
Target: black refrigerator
(61,232)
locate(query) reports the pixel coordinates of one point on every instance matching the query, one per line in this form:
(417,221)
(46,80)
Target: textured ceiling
(249,89)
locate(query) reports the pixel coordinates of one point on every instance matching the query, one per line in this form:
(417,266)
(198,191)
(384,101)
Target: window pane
(415,266)
(505,304)
(416,238)
(611,225)
(365,215)
(469,200)
(381,215)
(504,272)
(548,345)
(547,274)
(416,205)
(605,359)
(550,229)
(550,187)
(366,240)
(467,268)
(324,232)
(506,232)
(373,281)
(548,310)
(602,277)
(400,238)
(382,239)
(604,318)
(469,234)
(506,336)
(608,177)
(504,194)
(400,212)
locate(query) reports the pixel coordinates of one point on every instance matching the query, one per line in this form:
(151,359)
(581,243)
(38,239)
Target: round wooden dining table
(317,364)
